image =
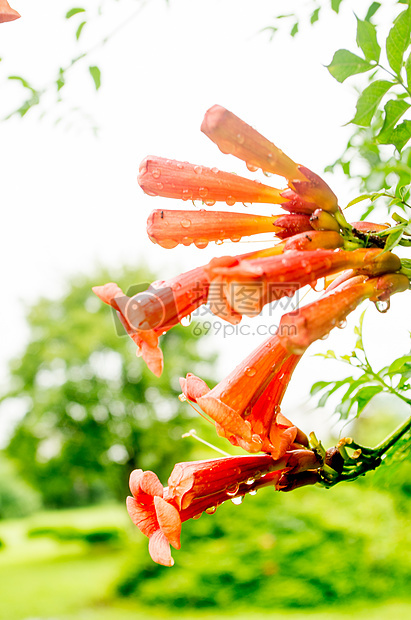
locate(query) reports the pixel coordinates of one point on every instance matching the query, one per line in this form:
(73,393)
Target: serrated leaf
(367,40)
(398,40)
(74,12)
(401,135)
(393,239)
(372,9)
(369,100)
(345,63)
(358,199)
(394,109)
(80,30)
(335,5)
(96,75)
(365,394)
(315,16)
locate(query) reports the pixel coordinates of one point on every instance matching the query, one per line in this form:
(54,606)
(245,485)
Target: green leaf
(394,109)
(365,394)
(345,63)
(22,81)
(318,386)
(398,40)
(367,40)
(294,30)
(408,70)
(74,12)
(373,8)
(358,199)
(335,5)
(79,30)
(397,366)
(96,75)
(61,80)
(393,239)
(401,134)
(315,16)
(368,102)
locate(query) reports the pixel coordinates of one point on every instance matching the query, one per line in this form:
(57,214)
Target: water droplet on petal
(160,186)
(180,166)
(211,510)
(230,201)
(342,324)
(240,138)
(209,203)
(186,223)
(186,320)
(235,238)
(201,243)
(197,516)
(168,244)
(203,191)
(198,169)
(156,173)
(186,194)
(250,371)
(238,500)
(219,242)
(325,336)
(253,492)
(182,398)
(382,306)
(232,489)
(251,167)
(215,170)
(250,480)
(149,193)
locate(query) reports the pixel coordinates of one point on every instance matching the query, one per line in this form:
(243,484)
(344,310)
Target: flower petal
(169,521)
(143,516)
(159,549)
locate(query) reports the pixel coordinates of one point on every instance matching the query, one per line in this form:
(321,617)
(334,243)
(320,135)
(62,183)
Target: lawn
(47,579)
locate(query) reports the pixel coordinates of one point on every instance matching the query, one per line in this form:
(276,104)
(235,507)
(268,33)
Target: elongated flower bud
(322,220)
(176,179)
(293,224)
(234,136)
(299,329)
(314,240)
(314,189)
(169,228)
(296,204)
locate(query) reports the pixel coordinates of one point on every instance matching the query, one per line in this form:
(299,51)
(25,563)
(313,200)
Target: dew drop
(235,238)
(209,203)
(251,167)
(180,166)
(198,169)
(156,173)
(197,516)
(250,480)
(253,492)
(201,243)
(256,439)
(250,371)
(232,489)
(203,191)
(150,193)
(186,194)
(186,223)
(325,336)
(168,244)
(160,186)
(342,324)
(230,201)
(211,510)
(269,156)
(215,170)
(182,397)
(240,138)
(382,306)
(186,320)
(219,242)
(238,500)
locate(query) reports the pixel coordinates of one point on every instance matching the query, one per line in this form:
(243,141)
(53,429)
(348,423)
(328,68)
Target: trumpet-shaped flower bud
(247,285)
(201,486)
(7,14)
(245,406)
(300,328)
(148,314)
(315,240)
(296,204)
(169,228)
(234,136)
(293,224)
(176,179)
(322,220)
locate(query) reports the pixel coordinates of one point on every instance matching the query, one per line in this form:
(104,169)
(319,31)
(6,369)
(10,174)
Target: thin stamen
(194,435)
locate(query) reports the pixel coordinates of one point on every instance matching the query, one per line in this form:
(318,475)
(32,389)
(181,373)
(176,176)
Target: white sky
(71,201)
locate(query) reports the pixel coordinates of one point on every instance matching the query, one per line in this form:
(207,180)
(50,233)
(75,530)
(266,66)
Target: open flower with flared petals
(200,486)
(7,14)
(247,285)
(299,329)
(245,406)
(147,315)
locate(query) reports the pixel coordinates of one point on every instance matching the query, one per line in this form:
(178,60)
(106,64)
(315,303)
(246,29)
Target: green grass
(47,579)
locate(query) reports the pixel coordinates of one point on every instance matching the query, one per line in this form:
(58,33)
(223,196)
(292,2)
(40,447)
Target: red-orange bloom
(269,279)
(198,486)
(299,329)
(245,406)
(148,314)
(7,14)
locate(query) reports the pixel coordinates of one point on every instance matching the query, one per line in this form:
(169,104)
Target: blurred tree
(95,411)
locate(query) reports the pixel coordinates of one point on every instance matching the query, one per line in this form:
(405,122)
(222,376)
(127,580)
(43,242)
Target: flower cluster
(313,241)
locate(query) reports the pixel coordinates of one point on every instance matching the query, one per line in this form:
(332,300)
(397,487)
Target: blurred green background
(90,412)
